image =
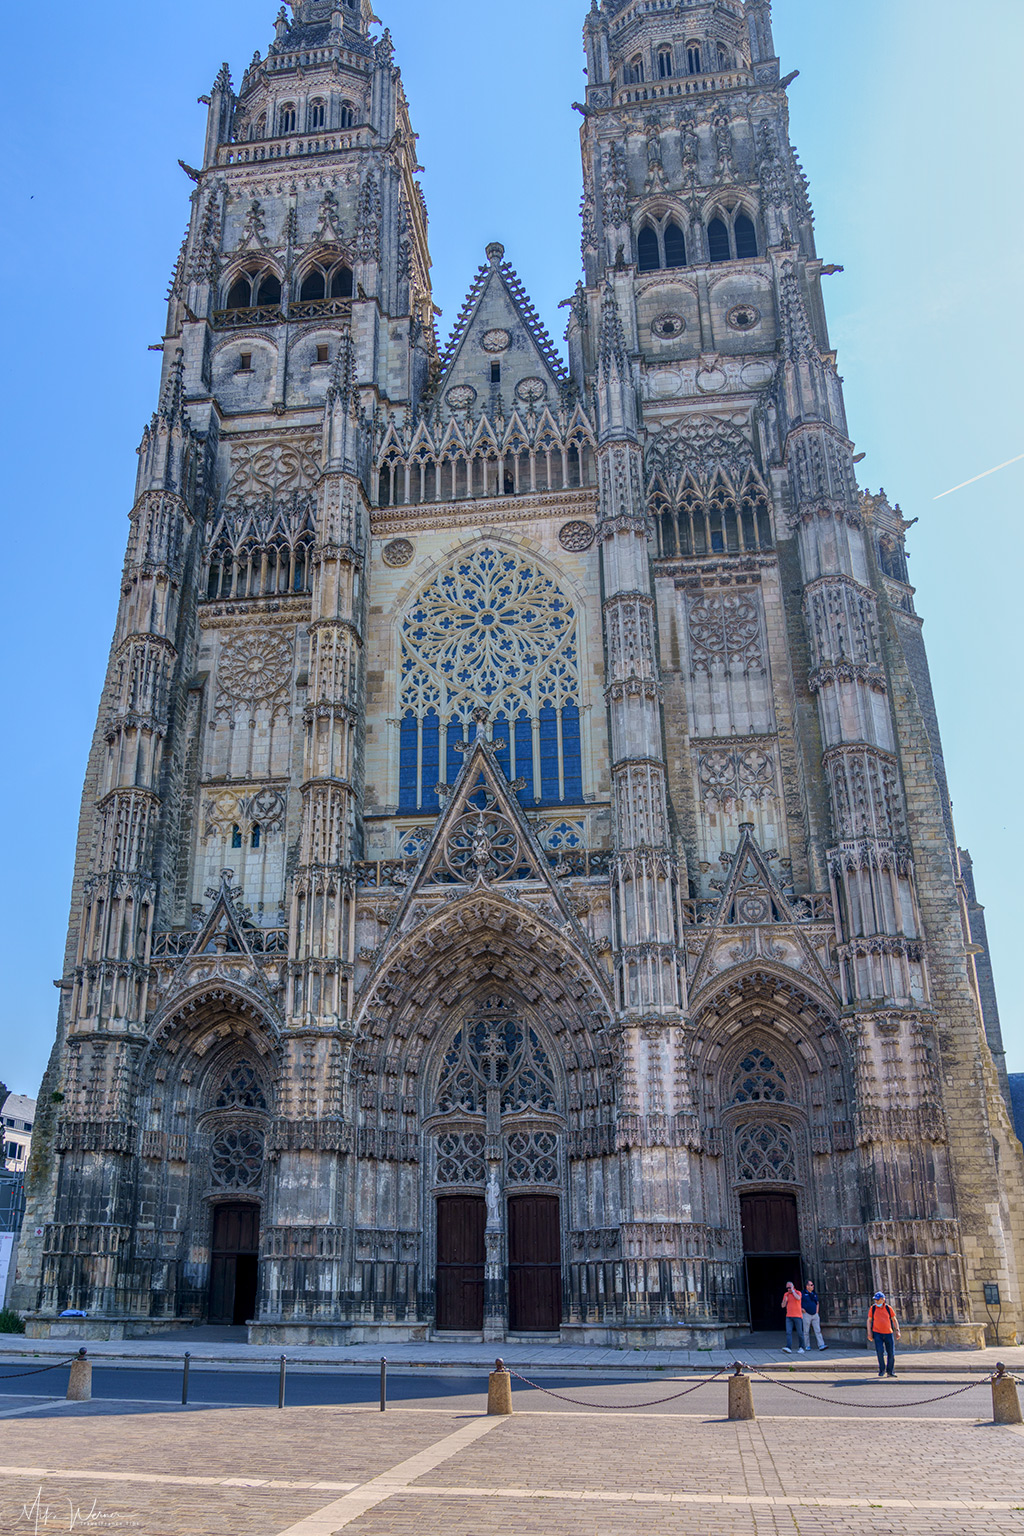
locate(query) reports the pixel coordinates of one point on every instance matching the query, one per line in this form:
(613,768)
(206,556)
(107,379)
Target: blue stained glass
(431,760)
(572,754)
(549,756)
(455,759)
(501,741)
(407,771)
(524,757)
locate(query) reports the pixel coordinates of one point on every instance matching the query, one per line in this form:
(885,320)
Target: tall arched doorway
(771,1249)
(495,1176)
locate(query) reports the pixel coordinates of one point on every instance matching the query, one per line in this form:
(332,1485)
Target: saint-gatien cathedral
(516,890)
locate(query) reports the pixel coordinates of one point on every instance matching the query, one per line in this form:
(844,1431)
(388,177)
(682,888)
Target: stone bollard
(80,1380)
(741,1395)
(499,1390)
(1005,1398)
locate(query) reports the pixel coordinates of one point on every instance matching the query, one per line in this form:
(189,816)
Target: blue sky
(908,124)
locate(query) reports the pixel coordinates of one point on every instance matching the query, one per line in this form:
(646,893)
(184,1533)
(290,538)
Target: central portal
(495,1172)
(234,1264)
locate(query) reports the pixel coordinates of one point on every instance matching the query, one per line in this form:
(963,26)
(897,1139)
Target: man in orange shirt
(793,1302)
(884,1330)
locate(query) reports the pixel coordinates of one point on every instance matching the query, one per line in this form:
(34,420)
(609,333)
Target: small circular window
(668,327)
(744,317)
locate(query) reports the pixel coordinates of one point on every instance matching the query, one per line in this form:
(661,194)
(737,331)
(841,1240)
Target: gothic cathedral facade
(516,889)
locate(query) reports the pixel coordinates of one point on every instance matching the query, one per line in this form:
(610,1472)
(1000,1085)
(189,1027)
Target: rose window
(492,630)
(237,1158)
(482,846)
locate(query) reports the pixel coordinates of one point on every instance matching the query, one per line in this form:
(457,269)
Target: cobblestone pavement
(314,1471)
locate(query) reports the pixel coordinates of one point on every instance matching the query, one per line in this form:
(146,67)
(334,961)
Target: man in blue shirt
(812,1320)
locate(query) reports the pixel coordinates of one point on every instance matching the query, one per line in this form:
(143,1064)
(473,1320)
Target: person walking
(884,1330)
(812,1317)
(793,1305)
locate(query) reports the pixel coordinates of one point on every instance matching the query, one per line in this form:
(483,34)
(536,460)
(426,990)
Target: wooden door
(535,1264)
(461,1251)
(234,1264)
(771,1244)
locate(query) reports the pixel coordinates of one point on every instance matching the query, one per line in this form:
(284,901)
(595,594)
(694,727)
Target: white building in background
(19,1114)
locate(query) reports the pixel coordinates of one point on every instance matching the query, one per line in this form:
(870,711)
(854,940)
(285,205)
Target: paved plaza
(313,1471)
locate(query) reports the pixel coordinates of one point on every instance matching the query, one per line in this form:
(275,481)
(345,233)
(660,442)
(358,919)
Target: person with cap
(793,1305)
(884,1330)
(812,1317)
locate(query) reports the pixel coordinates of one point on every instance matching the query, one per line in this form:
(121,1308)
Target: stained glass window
(757,1080)
(764,1154)
(241,1089)
(496,1050)
(493,629)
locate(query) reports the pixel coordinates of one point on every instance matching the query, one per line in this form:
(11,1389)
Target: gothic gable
(755,922)
(499,345)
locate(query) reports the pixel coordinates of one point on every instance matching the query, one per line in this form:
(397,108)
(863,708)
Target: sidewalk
(439,1354)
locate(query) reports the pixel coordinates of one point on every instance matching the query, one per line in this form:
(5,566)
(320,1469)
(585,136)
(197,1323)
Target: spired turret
(516,889)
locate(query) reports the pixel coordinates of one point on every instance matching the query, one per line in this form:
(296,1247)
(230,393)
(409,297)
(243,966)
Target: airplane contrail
(976,478)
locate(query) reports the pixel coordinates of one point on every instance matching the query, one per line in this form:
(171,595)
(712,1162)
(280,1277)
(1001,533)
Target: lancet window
(492,630)
(325,288)
(254,288)
(660,247)
(317,113)
(732,237)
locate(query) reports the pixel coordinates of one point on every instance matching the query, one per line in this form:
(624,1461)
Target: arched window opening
(724,57)
(664,63)
(240,295)
(327,279)
(758,1080)
(636,70)
(495,630)
(241,1088)
(718,523)
(693,58)
(746,237)
(287,117)
(765,1154)
(341,283)
(648,254)
(348,115)
(496,1050)
(256,836)
(317,113)
(269,290)
(236,836)
(718,240)
(258,130)
(675,246)
(893,560)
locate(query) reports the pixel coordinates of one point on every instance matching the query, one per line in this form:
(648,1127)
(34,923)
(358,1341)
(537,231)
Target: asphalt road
(140,1390)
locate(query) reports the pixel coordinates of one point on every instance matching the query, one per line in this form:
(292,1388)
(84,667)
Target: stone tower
(517,888)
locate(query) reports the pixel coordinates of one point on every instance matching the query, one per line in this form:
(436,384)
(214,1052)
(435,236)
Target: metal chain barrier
(619,1407)
(816,1397)
(19,1375)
